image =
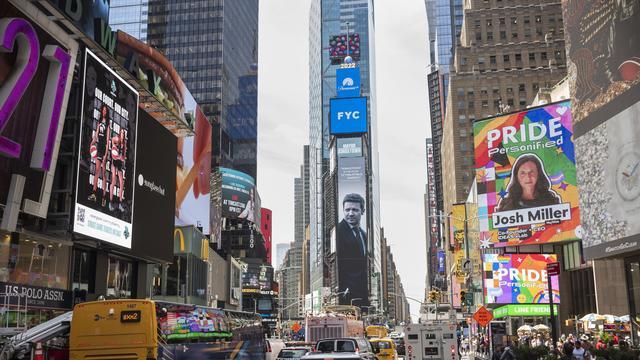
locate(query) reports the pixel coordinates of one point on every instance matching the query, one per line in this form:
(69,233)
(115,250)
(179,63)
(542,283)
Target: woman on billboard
(99,149)
(118,157)
(529,186)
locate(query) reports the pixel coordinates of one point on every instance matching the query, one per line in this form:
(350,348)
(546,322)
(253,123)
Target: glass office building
(130,16)
(329,18)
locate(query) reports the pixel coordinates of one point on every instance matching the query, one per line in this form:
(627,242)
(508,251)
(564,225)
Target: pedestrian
(616,339)
(600,345)
(497,353)
(508,354)
(579,353)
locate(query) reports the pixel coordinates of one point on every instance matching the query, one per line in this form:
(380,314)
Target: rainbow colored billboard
(526,177)
(518,279)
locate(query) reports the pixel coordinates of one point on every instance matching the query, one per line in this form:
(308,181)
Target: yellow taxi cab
(384,348)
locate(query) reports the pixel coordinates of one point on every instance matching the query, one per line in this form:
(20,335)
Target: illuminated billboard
(351,231)
(519,279)
(348,82)
(106,158)
(193,176)
(238,195)
(348,115)
(339,47)
(526,177)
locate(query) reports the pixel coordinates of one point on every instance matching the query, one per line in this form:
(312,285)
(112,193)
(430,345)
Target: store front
(517,315)
(33,278)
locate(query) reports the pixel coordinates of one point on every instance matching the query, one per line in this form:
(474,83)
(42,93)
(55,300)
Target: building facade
(506,54)
(130,16)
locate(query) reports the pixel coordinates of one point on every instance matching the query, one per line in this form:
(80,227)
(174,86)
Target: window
(463,132)
(503,35)
(514,34)
(510,102)
(514,20)
(518,57)
(483,91)
(532,56)
(460,92)
(509,90)
(462,119)
(539,31)
(558,54)
(460,104)
(470,92)
(481,60)
(120,278)
(463,61)
(521,87)
(505,58)
(489,23)
(523,103)
(478,36)
(502,21)
(496,91)
(538,18)
(463,146)
(490,36)
(485,104)
(543,55)
(535,87)
(471,105)
(492,59)
(477,24)
(496,104)
(526,20)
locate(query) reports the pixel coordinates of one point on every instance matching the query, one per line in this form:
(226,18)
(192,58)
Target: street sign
(483,316)
(553,268)
(295,327)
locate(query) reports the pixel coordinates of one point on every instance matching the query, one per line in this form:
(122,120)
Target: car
(399,345)
(338,356)
(358,346)
(384,348)
(293,352)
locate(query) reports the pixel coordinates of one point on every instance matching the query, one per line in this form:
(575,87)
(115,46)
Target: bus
(147,329)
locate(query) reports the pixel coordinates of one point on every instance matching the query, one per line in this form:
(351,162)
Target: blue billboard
(348,82)
(348,115)
(441,262)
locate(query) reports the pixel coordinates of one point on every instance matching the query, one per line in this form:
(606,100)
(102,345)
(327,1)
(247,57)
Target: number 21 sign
(37,68)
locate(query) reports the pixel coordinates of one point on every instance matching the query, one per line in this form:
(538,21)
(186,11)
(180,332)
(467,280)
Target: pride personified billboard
(348,115)
(519,279)
(526,177)
(106,164)
(348,82)
(238,195)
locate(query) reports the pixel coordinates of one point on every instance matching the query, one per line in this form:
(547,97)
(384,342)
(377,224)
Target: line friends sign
(526,177)
(518,279)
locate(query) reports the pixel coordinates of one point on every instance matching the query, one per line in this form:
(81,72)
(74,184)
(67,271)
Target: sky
(283,122)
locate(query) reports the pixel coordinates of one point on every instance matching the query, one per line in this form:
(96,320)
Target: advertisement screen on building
(349,147)
(238,195)
(36,71)
(340,47)
(457,240)
(107,154)
(348,82)
(351,231)
(265,229)
(441,262)
(193,173)
(348,115)
(603,44)
(155,188)
(526,177)
(519,279)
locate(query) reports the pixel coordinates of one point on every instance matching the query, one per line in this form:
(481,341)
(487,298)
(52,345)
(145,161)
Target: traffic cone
(39,353)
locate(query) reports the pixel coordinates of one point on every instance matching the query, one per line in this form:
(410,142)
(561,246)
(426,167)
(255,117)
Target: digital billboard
(238,195)
(609,177)
(519,279)
(441,262)
(348,82)
(349,147)
(193,172)
(603,46)
(339,46)
(457,240)
(265,229)
(107,154)
(155,183)
(352,230)
(526,177)
(348,115)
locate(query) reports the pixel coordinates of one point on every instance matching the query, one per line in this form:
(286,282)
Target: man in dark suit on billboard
(351,249)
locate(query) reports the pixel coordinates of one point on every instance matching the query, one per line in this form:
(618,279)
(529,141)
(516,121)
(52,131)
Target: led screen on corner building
(526,177)
(239,200)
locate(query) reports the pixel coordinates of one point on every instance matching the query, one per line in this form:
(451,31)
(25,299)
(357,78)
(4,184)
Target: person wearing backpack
(579,352)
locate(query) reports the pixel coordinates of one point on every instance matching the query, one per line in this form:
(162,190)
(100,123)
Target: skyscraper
(444,19)
(329,18)
(214,47)
(130,16)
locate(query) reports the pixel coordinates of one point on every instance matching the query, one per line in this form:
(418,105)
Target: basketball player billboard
(351,231)
(526,177)
(106,166)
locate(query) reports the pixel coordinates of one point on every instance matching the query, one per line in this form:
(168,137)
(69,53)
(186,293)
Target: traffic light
(433,295)
(463,297)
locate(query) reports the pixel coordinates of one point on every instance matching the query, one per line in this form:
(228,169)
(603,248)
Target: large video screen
(239,200)
(519,279)
(339,46)
(526,177)
(352,230)
(106,164)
